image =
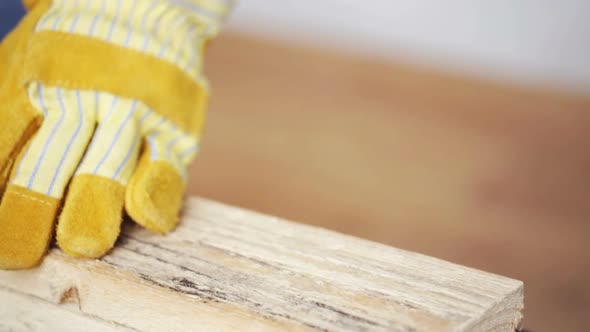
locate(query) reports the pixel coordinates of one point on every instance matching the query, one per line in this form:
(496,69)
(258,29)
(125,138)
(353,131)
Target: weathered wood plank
(227,269)
(24,313)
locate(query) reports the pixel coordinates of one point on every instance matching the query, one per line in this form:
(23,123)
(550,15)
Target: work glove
(102,104)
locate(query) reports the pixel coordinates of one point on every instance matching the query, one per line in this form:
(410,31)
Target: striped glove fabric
(102,104)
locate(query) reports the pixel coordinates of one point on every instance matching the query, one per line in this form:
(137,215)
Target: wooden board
(228,269)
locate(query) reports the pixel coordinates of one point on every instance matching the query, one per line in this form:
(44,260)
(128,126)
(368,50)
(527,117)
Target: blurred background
(459,129)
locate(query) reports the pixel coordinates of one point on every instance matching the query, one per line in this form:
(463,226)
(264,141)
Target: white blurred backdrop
(541,42)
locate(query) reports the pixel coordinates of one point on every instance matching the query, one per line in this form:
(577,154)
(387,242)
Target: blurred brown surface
(489,176)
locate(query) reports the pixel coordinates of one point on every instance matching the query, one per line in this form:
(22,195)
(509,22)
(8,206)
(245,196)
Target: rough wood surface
(24,313)
(228,269)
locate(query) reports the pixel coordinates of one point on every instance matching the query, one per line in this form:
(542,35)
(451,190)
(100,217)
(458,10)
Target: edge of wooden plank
(499,317)
(94,285)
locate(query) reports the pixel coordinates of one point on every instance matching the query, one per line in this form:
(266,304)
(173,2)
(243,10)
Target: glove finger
(22,245)
(17,118)
(26,219)
(91,219)
(19,122)
(155,191)
(31,201)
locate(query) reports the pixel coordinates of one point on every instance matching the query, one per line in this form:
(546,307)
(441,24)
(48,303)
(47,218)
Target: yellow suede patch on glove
(27,225)
(94,196)
(155,195)
(113,82)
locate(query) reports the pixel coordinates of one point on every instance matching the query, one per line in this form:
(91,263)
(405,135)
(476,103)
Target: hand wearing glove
(102,105)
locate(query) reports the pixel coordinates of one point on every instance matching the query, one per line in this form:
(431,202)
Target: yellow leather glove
(116,90)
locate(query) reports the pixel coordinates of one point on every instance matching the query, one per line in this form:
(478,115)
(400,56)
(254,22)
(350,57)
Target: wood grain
(23,313)
(228,269)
